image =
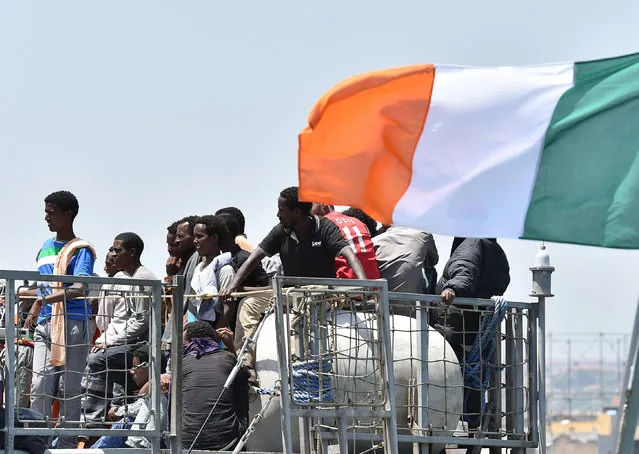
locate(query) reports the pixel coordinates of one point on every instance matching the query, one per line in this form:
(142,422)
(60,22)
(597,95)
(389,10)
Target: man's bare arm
(256,256)
(76,290)
(354,263)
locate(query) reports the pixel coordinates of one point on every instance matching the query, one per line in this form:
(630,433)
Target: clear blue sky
(152,110)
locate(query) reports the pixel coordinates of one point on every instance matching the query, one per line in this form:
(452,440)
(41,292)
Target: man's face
(174,250)
(55,218)
(184,240)
(123,258)
(110,266)
(205,244)
(287,217)
(139,372)
(320,209)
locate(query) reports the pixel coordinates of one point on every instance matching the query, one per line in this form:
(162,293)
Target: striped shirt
(81,264)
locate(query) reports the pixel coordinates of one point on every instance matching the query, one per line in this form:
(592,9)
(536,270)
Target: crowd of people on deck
(93,342)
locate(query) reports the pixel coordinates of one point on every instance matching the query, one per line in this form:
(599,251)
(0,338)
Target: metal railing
(149,294)
(336,362)
(425,379)
(507,376)
(387,367)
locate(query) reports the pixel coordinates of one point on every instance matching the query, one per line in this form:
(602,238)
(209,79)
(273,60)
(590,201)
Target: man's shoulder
(49,247)
(226,269)
(340,218)
(325,224)
(241,256)
(333,215)
(277,233)
(403,236)
(279,229)
(219,358)
(144,273)
(49,242)
(192,261)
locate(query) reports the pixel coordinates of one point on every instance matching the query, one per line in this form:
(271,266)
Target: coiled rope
(476,374)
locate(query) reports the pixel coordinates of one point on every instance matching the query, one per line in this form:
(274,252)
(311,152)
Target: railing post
(495,389)
(283,337)
(10,301)
(155,335)
(541,289)
(177,315)
(628,403)
(533,386)
(422,353)
(391,446)
(305,326)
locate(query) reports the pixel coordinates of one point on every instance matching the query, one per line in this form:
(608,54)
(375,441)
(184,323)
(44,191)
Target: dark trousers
(460,327)
(112,365)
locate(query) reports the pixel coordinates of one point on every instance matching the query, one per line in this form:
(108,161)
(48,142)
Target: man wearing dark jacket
(206,366)
(477,268)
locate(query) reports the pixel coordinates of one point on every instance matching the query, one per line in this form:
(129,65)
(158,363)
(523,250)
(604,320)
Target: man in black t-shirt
(257,277)
(251,308)
(307,246)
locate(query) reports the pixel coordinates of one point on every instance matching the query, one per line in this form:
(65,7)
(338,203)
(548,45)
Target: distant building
(590,434)
(606,439)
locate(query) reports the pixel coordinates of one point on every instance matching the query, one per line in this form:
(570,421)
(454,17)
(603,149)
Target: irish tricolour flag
(546,152)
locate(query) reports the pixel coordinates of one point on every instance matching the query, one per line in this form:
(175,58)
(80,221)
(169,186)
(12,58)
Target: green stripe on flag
(587,186)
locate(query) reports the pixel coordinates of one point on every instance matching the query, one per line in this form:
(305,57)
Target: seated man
(205,368)
(94,387)
(139,411)
(129,326)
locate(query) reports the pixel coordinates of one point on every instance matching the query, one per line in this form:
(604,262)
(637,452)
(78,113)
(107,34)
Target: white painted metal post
(541,289)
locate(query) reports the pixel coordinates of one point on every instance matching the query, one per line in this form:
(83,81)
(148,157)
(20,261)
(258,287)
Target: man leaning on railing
(477,268)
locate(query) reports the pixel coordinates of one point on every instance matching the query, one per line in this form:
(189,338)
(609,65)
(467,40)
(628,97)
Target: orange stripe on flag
(358,148)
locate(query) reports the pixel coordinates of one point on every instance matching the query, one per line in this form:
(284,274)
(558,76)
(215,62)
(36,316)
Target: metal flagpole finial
(541,271)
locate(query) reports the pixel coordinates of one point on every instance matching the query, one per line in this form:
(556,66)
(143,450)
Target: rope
(306,382)
(143,295)
(483,348)
(264,391)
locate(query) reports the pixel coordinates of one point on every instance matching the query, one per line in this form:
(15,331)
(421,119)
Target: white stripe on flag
(476,162)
